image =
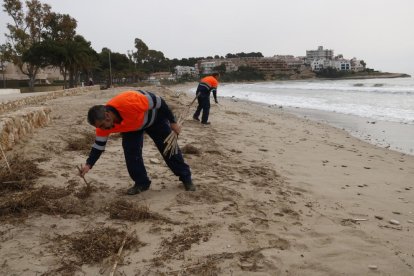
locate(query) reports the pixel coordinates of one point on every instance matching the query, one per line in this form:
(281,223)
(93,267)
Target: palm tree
(78,56)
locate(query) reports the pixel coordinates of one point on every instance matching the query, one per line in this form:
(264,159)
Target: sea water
(380,111)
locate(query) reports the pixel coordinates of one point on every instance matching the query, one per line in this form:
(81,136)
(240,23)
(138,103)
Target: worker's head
(216,75)
(99,117)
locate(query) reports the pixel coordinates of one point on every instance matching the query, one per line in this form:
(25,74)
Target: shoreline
(374,76)
(384,134)
(381,134)
(388,134)
(362,77)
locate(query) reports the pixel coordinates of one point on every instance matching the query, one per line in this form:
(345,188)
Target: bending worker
(132,113)
(207,84)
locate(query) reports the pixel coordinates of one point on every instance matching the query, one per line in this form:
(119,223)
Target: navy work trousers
(203,105)
(132,143)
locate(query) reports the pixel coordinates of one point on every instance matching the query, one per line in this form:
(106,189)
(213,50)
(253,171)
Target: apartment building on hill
(322,58)
(318,54)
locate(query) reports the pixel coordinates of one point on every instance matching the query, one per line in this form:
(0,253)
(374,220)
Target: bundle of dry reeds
(171,141)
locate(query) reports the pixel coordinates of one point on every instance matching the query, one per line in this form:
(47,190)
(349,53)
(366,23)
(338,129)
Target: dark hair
(215,74)
(96,113)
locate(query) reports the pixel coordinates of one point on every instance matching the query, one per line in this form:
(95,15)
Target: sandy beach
(276,195)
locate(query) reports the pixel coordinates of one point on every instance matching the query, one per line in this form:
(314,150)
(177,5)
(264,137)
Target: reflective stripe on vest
(100,142)
(154,103)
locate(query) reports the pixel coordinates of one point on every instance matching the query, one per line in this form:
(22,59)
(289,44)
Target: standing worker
(132,113)
(207,84)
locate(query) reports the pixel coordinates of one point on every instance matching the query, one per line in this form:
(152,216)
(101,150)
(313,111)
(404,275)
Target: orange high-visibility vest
(134,108)
(210,81)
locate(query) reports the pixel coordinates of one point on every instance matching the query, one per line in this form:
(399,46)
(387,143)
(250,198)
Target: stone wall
(16,125)
(38,99)
(17,120)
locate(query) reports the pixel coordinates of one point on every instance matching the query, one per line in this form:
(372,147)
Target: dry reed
(82,144)
(5,158)
(20,174)
(171,141)
(93,246)
(121,209)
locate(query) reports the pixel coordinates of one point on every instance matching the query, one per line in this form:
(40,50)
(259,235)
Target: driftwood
(359,219)
(12,182)
(118,256)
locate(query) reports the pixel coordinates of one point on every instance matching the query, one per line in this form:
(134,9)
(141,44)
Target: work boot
(205,123)
(189,186)
(195,118)
(136,189)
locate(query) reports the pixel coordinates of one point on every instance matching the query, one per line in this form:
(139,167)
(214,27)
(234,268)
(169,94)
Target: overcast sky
(377,31)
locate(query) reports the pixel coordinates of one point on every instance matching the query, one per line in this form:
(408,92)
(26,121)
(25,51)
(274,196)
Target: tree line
(38,38)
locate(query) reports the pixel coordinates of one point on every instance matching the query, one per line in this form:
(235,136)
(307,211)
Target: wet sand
(392,135)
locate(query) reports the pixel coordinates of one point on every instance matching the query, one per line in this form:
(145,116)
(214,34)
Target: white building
(185,70)
(319,64)
(319,54)
(207,66)
(341,64)
(156,77)
(356,65)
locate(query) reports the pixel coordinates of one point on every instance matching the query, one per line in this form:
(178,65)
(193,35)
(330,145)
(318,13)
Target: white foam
(392,101)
